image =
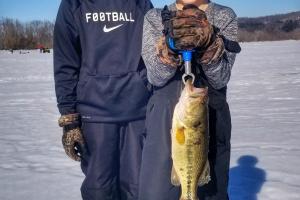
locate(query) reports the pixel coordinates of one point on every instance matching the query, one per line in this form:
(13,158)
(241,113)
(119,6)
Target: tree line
(32,35)
(270,28)
(17,35)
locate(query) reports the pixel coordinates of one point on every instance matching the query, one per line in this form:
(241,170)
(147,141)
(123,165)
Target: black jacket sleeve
(67,58)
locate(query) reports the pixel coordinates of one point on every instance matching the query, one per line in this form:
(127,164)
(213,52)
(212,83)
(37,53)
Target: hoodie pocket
(82,88)
(118,97)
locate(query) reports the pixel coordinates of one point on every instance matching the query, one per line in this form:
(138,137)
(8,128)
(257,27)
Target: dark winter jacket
(98,68)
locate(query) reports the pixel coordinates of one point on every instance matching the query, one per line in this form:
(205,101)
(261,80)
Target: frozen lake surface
(264,96)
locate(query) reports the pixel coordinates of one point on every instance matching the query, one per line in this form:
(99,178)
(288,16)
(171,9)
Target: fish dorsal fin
(174,177)
(205,176)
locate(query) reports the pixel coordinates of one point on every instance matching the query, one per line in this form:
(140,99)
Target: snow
(264,94)
(32,162)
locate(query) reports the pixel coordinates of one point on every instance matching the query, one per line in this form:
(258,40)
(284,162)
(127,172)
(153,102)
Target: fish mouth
(195,95)
(194,92)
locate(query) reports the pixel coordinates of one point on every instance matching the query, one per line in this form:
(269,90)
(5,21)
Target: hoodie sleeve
(67,58)
(158,74)
(148,6)
(218,74)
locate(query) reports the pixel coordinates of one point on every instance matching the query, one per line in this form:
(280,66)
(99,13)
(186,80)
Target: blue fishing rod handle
(171,43)
(186,54)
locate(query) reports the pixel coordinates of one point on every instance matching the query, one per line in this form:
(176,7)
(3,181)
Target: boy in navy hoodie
(102,91)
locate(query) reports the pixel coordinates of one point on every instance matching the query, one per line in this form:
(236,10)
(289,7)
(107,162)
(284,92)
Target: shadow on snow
(246,180)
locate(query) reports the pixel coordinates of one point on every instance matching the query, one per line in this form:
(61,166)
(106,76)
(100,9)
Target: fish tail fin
(174,177)
(205,176)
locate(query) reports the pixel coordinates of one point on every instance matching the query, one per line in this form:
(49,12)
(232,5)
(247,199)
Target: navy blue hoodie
(98,69)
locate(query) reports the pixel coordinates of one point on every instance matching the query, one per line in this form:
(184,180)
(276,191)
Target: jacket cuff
(69,119)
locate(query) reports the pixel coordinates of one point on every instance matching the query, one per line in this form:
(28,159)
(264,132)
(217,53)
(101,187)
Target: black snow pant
(155,178)
(112,164)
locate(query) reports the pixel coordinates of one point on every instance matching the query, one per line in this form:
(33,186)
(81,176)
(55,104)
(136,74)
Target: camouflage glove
(166,55)
(190,29)
(72,138)
(211,54)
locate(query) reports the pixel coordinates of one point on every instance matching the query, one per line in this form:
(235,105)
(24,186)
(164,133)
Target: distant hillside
(270,28)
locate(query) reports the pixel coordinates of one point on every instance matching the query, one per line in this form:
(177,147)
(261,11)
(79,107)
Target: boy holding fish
(210,30)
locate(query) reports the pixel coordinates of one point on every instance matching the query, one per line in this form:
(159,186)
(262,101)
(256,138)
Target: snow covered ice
(32,162)
(264,96)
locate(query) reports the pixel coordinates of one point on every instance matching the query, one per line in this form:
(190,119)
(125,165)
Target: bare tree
(17,35)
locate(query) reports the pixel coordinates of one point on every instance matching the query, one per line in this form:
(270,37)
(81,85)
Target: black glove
(72,138)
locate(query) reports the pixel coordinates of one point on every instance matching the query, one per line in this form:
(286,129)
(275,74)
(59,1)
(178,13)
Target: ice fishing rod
(187,55)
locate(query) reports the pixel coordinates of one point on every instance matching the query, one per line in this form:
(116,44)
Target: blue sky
(26,10)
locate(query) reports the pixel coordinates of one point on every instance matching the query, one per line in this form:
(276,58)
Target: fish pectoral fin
(205,176)
(174,177)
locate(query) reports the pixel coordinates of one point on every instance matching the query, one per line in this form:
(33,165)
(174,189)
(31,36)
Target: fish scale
(190,141)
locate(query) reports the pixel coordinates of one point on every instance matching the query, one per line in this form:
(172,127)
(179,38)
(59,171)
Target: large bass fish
(190,141)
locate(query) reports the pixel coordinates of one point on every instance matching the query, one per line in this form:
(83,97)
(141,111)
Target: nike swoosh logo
(106,30)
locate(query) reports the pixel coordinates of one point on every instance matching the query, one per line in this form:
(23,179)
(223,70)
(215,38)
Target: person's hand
(166,55)
(72,138)
(191,29)
(212,54)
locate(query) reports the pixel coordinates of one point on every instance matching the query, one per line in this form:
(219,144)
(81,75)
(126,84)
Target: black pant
(219,154)
(155,178)
(112,164)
